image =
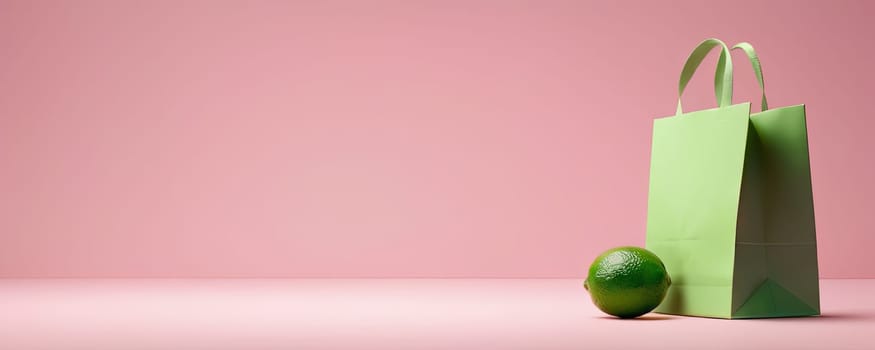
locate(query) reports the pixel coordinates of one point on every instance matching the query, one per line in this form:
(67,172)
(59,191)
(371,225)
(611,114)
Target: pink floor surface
(390,314)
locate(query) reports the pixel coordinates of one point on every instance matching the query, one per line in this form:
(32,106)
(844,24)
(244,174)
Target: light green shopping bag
(730,208)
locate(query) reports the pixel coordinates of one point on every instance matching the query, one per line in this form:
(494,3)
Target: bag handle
(757,69)
(722,78)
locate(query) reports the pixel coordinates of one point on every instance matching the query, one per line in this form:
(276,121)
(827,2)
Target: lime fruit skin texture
(627,282)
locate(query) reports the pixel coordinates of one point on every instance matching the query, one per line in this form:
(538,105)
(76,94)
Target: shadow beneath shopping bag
(846,317)
(833,317)
(648,317)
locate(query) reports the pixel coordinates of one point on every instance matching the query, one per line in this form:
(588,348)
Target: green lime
(627,282)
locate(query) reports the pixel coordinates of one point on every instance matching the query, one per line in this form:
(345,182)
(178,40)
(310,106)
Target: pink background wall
(373,139)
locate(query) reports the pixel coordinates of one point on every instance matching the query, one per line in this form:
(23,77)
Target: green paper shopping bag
(730,209)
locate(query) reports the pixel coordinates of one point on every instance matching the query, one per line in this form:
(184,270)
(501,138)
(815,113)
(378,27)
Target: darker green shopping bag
(730,207)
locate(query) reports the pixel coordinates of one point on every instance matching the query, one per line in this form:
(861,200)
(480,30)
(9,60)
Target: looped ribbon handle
(723,75)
